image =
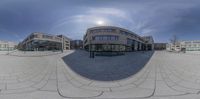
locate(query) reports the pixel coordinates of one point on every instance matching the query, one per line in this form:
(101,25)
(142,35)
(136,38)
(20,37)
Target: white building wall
(7,45)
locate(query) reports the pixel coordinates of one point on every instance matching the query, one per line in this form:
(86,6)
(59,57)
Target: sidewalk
(166,76)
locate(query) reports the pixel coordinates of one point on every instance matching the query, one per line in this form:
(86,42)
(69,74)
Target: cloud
(89,18)
(91,15)
(109,11)
(145,17)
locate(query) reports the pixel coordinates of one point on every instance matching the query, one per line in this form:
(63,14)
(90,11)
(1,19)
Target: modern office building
(115,39)
(191,45)
(76,44)
(160,46)
(66,42)
(185,45)
(7,46)
(173,47)
(41,41)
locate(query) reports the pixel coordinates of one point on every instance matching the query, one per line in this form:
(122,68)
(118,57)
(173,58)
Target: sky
(160,18)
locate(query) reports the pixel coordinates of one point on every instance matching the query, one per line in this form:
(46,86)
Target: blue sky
(160,18)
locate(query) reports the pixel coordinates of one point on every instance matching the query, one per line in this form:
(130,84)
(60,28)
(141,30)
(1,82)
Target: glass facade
(6,47)
(192,46)
(42,45)
(102,30)
(42,42)
(107,47)
(3,47)
(47,36)
(106,37)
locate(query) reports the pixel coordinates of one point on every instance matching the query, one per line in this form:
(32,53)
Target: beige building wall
(48,37)
(122,38)
(7,45)
(123,35)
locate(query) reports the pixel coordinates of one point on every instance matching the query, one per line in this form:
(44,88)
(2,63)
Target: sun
(100,22)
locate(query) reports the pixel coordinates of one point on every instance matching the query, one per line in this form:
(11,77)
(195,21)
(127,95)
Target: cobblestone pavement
(165,76)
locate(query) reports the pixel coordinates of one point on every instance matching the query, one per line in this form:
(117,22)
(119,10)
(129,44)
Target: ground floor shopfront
(42,45)
(118,47)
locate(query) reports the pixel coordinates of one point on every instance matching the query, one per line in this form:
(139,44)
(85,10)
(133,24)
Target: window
(85,41)
(102,30)
(5,46)
(129,41)
(106,37)
(194,45)
(57,38)
(33,36)
(47,36)
(196,42)
(113,38)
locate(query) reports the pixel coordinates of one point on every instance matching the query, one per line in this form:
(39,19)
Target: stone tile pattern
(166,75)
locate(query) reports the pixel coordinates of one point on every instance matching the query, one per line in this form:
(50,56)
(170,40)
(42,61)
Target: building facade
(76,44)
(184,45)
(160,46)
(173,47)
(66,42)
(41,42)
(115,39)
(7,46)
(191,45)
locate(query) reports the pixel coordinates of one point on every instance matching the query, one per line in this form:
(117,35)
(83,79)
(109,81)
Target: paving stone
(163,90)
(124,87)
(149,84)
(68,90)
(104,84)
(130,93)
(86,87)
(40,84)
(51,85)
(50,77)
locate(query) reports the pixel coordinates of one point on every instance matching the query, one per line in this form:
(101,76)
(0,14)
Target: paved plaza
(72,75)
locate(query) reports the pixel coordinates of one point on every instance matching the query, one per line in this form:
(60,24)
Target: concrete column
(140,46)
(146,47)
(152,46)
(135,45)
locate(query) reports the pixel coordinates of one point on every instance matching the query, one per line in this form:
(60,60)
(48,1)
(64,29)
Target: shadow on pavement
(107,68)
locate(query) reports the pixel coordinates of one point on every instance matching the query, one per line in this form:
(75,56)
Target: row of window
(132,42)
(106,37)
(47,36)
(33,36)
(114,30)
(3,45)
(195,45)
(107,47)
(128,34)
(102,30)
(129,41)
(198,42)
(193,49)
